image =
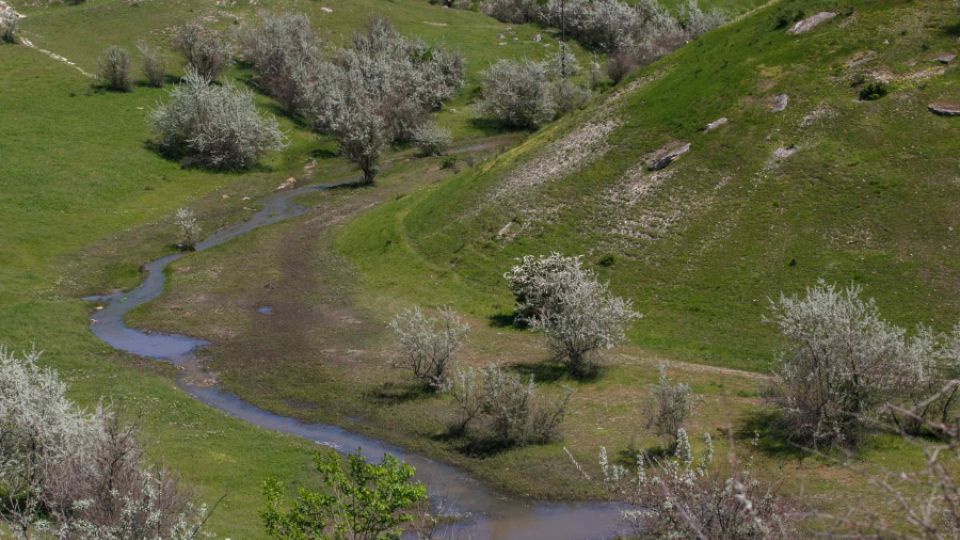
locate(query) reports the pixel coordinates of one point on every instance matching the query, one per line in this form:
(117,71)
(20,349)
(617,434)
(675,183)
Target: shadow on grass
(187,161)
(952,30)
(628,457)
(503,320)
(547,371)
(390,393)
(766,428)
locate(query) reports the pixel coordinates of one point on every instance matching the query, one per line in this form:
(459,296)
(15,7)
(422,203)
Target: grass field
(867,198)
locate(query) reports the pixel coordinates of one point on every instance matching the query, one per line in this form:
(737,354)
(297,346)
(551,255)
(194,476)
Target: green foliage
(360,500)
(874,91)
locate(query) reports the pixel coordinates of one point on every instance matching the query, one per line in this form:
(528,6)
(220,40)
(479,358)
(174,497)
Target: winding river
(479,511)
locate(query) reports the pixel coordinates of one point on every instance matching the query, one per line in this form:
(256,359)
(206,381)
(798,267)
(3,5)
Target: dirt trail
(5,7)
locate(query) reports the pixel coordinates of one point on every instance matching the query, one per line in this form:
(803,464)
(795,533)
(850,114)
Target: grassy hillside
(85,201)
(868,196)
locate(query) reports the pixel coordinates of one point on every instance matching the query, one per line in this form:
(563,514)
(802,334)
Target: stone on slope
(945,58)
(945,109)
(811,22)
(668,154)
(779,102)
(287,184)
(715,124)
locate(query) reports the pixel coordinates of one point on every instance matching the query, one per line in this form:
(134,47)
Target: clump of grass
(874,91)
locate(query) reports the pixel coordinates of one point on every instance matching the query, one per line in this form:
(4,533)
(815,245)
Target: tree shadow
(490,127)
(391,393)
(952,30)
(546,371)
(766,428)
(503,320)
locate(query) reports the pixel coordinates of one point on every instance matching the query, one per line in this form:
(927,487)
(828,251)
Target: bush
(280,49)
(79,474)
(674,403)
(154,66)
(360,500)
(508,410)
(578,314)
(680,498)
(114,69)
(8,26)
(619,65)
(207,52)
(377,91)
(844,363)
(518,94)
(186,221)
(874,91)
(432,140)
(534,281)
(214,126)
(428,344)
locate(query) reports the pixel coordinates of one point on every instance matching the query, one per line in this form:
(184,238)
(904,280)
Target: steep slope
(830,187)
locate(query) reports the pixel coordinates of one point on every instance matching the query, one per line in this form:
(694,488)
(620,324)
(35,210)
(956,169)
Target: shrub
(533,282)
(696,22)
(207,52)
(518,94)
(508,410)
(114,69)
(360,500)
(432,140)
(844,363)
(619,65)
(79,474)
(874,91)
(378,90)
(214,126)
(674,403)
(279,49)
(8,26)
(577,313)
(428,344)
(154,66)
(186,221)
(680,498)
(512,11)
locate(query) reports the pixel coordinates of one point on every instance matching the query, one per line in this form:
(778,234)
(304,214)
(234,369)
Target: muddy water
(480,512)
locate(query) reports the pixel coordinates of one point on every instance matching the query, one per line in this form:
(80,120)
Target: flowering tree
(684,497)
(216,126)
(518,94)
(207,52)
(578,313)
(428,344)
(186,221)
(114,66)
(281,48)
(674,403)
(844,363)
(77,474)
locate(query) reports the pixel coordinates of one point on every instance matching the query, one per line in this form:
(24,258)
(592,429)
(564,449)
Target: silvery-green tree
(154,65)
(683,496)
(207,51)
(114,69)
(280,48)
(428,344)
(568,303)
(71,473)
(844,363)
(216,126)
(518,94)
(673,406)
(8,26)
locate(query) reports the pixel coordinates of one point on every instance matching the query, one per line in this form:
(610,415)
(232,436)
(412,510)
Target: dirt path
(5,7)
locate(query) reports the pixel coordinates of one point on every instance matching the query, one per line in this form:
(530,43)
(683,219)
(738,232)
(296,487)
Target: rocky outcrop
(945,109)
(945,58)
(667,155)
(810,23)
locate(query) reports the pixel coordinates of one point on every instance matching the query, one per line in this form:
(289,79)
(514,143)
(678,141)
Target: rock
(668,154)
(945,109)
(784,152)
(537,38)
(287,184)
(501,37)
(811,22)
(945,58)
(779,102)
(144,269)
(225,196)
(715,124)
(325,9)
